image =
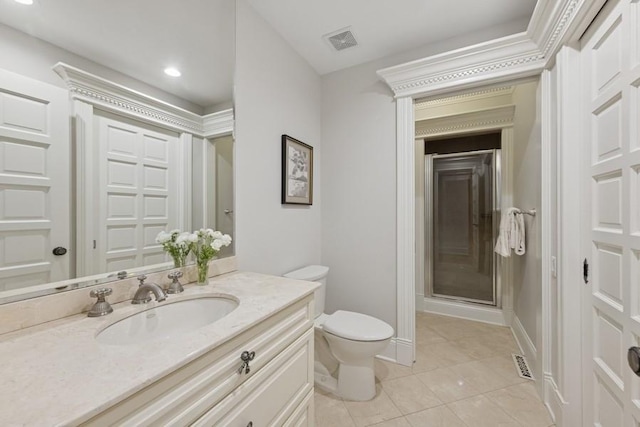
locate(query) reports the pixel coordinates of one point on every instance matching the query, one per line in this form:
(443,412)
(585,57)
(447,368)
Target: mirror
(88,180)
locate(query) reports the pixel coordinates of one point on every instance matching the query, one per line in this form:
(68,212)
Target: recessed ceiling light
(173,72)
(29,2)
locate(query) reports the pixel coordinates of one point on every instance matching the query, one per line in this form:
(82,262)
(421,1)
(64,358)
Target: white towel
(512,235)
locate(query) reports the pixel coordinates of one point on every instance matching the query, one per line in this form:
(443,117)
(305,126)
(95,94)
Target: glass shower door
(461,235)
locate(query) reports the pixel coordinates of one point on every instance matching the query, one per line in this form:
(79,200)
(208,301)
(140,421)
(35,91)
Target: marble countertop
(58,374)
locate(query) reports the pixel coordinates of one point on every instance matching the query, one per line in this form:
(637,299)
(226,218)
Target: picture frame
(297,172)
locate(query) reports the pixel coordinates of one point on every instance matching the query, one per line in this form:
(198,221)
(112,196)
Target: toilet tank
(313,273)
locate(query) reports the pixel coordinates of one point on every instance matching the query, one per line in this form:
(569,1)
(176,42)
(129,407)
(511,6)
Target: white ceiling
(142,37)
(382,27)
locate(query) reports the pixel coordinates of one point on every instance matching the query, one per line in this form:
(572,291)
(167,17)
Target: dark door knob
(633,357)
(59,251)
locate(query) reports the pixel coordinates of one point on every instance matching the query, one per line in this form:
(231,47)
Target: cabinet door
(272,395)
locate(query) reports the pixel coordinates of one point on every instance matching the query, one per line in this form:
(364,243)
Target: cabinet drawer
(184,395)
(273,395)
(303,416)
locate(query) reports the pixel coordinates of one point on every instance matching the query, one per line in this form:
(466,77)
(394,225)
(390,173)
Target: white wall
(527,170)
(32,57)
(359,196)
(277,93)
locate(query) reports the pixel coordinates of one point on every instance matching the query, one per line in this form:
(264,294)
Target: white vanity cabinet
(216,390)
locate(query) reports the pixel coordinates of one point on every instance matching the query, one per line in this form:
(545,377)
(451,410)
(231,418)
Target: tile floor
(464,376)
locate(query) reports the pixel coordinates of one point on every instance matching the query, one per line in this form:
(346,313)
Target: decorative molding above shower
(481,120)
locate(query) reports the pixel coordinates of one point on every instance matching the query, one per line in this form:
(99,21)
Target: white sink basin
(166,320)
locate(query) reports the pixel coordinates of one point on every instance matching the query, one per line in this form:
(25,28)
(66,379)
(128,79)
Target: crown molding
(218,124)
(465,97)
(120,99)
(485,119)
(554,23)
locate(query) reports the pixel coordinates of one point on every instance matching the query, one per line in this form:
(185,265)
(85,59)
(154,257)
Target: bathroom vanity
(252,367)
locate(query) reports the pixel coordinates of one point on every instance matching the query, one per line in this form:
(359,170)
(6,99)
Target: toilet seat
(356,326)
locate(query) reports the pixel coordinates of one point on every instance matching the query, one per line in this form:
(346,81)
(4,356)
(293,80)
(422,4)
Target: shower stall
(462,205)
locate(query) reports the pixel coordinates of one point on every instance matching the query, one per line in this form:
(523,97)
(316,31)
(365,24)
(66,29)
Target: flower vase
(203,272)
(179,262)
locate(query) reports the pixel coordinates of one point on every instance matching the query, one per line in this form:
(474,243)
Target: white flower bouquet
(205,244)
(177,244)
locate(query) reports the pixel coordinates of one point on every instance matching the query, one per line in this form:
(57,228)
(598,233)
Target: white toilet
(344,341)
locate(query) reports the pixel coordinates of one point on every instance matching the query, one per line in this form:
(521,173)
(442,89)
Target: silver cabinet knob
(246,357)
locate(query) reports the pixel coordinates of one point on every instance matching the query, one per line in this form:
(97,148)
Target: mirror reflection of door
(136,193)
(34,198)
(223,197)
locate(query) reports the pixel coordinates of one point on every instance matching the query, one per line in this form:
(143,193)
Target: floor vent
(522,366)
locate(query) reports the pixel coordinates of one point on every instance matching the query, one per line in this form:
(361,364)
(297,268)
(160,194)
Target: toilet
(345,343)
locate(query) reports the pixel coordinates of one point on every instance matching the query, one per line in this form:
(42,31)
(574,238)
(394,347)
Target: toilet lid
(357,326)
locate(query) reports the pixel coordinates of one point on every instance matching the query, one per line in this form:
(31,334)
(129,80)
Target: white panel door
(610,58)
(137,192)
(34,182)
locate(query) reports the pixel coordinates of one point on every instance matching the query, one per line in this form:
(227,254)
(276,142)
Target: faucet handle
(101,293)
(141,279)
(175,287)
(174,275)
(101,307)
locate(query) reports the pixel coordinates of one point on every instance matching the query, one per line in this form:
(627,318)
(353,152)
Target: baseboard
(404,352)
(527,347)
(390,353)
(475,312)
(553,400)
(398,351)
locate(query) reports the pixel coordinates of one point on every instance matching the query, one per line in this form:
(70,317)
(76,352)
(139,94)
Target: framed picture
(297,172)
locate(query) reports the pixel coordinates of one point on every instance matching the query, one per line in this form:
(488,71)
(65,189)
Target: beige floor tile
(426,360)
(409,394)
(522,403)
(477,347)
(331,411)
(480,411)
(388,370)
(440,416)
(501,343)
(396,422)
(425,335)
(429,319)
(379,409)
(447,354)
(504,366)
(480,375)
(448,384)
(458,329)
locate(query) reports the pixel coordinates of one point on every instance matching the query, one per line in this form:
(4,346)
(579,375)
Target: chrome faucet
(143,294)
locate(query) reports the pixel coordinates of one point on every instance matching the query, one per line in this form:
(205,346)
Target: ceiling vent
(341,39)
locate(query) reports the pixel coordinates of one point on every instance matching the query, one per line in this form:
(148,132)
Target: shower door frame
(429,227)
